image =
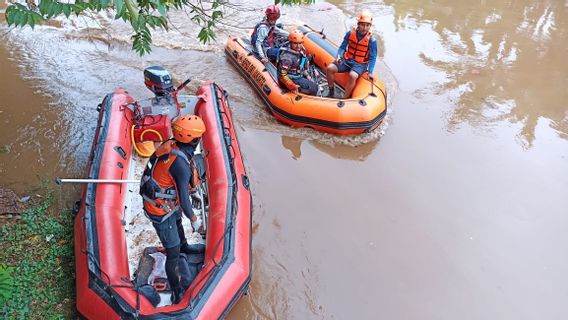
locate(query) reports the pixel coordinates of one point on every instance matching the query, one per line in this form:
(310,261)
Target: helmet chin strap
(193,143)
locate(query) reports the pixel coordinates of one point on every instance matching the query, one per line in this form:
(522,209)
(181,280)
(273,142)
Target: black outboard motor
(158,80)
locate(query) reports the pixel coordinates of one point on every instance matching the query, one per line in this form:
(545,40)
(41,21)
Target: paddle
(58,180)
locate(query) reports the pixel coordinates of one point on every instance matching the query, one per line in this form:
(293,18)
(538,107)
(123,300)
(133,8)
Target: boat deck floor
(139,232)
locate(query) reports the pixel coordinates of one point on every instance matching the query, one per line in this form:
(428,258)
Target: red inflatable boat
(105,288)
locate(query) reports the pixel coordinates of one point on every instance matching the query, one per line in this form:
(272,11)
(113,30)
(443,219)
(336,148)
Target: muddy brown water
(455,208)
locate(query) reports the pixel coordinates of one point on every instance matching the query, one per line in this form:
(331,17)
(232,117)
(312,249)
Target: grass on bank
(37,270)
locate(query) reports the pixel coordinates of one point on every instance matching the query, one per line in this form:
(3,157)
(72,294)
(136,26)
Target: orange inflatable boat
(363,112)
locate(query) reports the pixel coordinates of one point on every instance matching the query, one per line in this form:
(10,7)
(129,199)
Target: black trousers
(307,86)
(172,236)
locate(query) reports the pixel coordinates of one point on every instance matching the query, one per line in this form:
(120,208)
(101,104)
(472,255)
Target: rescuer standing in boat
(165,190)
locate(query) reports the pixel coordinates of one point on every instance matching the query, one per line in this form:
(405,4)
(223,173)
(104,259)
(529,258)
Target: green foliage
(6,283)
(141,14)
(38,279)
(19,15)
(141,39)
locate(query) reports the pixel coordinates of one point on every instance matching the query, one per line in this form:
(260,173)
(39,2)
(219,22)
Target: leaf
(51,10)
(20,18)
(118,5)
(142,40)
(37,18)
(57,8)
(78,8)
(6,283)
(197,19)
(216,15)
(162,9)
(30,21)
(44,5)
(10,11)
(134,24)
(206,35)
(66,10)
(164,22)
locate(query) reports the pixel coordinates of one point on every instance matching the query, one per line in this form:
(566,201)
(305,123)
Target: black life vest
(293,61)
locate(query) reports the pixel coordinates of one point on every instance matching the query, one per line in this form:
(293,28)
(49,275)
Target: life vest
(268,41)
(358,50)
(157,186)
(292,61)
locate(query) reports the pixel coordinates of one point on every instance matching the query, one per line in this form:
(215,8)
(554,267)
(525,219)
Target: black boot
(185,248)
(177,295)
(192,249)
(331,93)
(172,260)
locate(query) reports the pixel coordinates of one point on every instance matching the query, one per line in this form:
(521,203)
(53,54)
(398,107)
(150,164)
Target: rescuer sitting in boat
(356,55)
(165,190)
(265,34)
(293,66)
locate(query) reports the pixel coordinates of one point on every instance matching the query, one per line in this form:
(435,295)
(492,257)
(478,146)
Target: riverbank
(37,251)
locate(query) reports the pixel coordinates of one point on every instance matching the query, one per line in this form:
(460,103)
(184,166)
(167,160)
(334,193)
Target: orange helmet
(296,36)
(365,16)
(187,128)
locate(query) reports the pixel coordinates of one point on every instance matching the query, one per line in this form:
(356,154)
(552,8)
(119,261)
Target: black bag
(188,268)
(150,293)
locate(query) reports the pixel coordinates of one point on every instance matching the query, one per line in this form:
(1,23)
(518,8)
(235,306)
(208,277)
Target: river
(455,208)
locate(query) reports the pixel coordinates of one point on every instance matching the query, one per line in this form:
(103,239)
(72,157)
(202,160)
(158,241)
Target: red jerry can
(153,128)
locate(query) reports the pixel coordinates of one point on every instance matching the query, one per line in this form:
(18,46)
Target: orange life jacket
(358,50)
(157,186)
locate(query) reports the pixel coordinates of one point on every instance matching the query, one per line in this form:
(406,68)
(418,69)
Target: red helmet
(272,12)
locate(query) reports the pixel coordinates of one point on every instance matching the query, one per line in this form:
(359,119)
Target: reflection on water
(358,152)
(498,61)
(503,60)
(294,145)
